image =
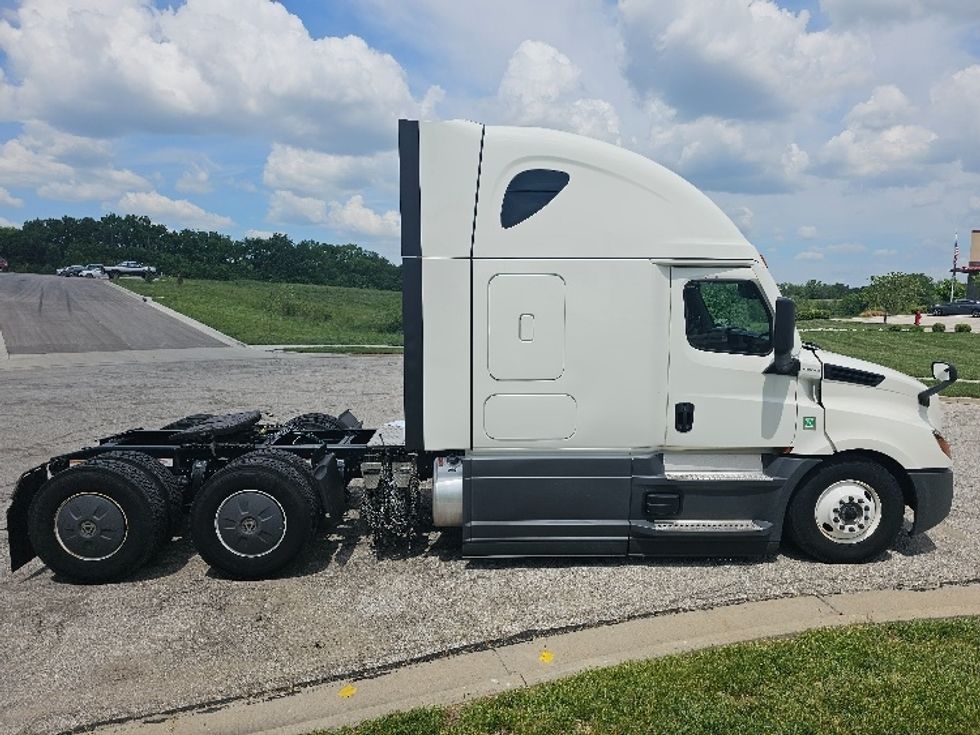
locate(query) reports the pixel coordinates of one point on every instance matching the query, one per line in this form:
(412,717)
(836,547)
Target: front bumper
(932,492)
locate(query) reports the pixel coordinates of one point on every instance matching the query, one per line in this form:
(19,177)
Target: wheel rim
(848,512)
(250,523)
(90,526)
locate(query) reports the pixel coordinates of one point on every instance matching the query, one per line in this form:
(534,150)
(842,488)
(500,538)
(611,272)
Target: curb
(459,678)
(210,331)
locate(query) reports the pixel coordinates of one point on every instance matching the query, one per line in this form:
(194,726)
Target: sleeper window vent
(529,192)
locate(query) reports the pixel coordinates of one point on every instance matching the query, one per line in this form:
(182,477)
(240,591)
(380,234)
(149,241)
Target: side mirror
(783,339)
(945,375)
(941,370)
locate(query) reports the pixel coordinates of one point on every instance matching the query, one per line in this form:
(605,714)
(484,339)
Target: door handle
(683,417)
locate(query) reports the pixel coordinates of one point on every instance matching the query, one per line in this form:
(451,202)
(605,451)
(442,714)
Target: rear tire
(97,522)
(316,422)
(254,516)
(164,479)
(846,512)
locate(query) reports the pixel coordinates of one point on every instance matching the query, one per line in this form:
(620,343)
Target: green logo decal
(810,422)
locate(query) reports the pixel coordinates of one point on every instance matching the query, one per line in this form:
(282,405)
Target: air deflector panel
(529,192)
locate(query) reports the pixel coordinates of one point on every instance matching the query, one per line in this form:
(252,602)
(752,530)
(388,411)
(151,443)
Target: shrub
(962,328)
(812,312)
(938,327)
(917,328)
(872,312)
(894,327)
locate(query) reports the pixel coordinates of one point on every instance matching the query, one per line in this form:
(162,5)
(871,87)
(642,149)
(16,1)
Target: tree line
(892,293)
(42,245)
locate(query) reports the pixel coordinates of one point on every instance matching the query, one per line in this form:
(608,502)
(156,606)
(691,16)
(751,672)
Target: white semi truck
(597,363)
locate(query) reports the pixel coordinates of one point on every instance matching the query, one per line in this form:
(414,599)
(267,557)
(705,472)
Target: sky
(841,136)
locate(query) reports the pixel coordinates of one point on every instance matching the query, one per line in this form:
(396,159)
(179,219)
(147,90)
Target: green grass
(900,678)
(256,312)
(911,352)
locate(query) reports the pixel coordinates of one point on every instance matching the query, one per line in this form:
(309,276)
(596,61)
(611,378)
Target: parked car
(960,306)
(4,266)
(70,271)
(131,268)
(93,270)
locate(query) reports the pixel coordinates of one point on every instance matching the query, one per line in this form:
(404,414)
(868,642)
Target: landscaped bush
(807,313)
(894,327)
(938,327)
(962,328)
(917,328)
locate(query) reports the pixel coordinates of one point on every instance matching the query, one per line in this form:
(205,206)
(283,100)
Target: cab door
(719,395)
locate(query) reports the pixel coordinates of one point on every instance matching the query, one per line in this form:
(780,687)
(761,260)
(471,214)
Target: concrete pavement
(498,668)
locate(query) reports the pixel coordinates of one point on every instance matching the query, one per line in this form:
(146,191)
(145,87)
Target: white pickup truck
(131,268)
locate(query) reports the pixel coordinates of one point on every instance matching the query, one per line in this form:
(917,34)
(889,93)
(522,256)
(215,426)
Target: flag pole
(956,251)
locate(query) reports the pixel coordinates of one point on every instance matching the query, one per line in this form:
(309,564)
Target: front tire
(253,517)
(847,512)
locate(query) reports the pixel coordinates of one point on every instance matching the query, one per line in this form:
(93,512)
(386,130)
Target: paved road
(177,634)
(49,314)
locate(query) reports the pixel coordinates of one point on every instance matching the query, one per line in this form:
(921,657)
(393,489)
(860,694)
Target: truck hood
(894,381)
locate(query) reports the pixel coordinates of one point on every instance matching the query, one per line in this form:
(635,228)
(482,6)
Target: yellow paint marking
(546,657)
(347,691)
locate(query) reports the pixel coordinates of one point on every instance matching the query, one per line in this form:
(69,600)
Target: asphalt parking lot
(48,314)
(177,635)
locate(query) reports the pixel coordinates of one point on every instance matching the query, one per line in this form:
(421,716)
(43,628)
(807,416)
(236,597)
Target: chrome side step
(718,476)
(696,526)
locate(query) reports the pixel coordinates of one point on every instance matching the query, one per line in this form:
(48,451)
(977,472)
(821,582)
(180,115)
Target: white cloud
(887,106)
(844,248)
(175,213)
(327,175)
(195,180)
(807,232)
(887,11)
(869,153)
(289,208)
(725,155)
(543,87)
(231,66)
(809,255)
(9,200)
(956,104)
(737,59)
(95,184)
(353,216)
(37,158)
(259,234)
(742,216)
(885,253)
(974,202)
(20,165)
(4,222)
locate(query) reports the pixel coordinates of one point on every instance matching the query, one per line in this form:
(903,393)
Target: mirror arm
(926,395)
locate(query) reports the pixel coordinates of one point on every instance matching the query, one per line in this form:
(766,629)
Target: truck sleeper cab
(591,358)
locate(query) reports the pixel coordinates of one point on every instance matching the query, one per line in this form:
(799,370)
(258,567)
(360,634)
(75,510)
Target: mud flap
(21,550)
(330,487)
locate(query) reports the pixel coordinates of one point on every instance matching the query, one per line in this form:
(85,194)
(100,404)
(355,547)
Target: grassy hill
(257,312)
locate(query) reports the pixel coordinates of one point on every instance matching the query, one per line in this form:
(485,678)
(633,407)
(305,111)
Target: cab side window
(727,316)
